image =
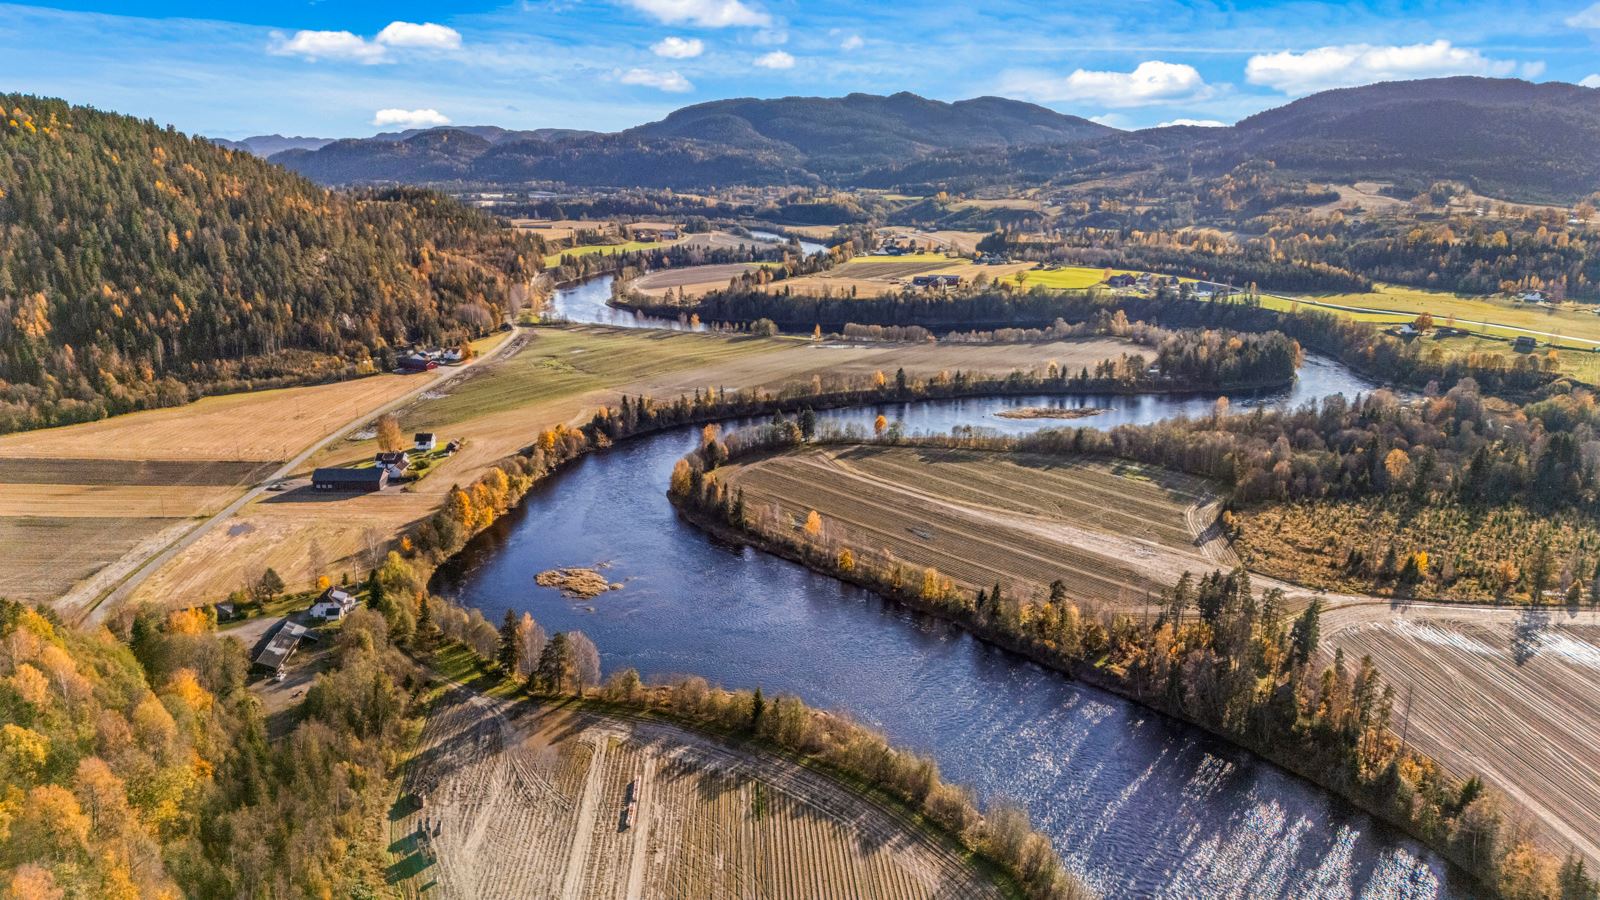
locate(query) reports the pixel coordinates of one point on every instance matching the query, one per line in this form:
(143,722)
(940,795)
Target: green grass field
(554,259)
(1069,278)
(1392,303)
(560,362)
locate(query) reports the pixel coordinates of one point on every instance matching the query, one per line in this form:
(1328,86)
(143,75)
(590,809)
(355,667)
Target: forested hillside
(140,267)
(1503,137)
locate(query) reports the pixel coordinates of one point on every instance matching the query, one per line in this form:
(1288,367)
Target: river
(1138,804)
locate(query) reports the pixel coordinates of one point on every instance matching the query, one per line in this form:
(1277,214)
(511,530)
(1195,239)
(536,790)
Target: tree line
(1217,654)
(140,268)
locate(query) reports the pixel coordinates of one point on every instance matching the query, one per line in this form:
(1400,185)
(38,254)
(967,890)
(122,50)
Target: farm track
(528,802)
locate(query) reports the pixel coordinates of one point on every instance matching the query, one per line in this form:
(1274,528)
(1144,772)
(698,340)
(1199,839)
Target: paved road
(102,605)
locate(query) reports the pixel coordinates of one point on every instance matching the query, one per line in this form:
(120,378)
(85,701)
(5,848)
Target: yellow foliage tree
(813,524)
(847,560)
(390,438)
(880,425)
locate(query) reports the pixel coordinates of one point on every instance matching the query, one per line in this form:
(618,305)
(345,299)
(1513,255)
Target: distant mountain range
(1502,136)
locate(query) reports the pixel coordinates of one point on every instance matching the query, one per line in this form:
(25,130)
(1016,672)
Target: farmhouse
(333,479)
(426,441)
(334,604)
(453,355)
(275,655)
(1209,289)
(937,281)
(397,459)
(1121,281)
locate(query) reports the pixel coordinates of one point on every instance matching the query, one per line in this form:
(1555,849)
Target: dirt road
(93,608)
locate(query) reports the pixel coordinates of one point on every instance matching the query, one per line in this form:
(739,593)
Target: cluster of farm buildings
(387,467)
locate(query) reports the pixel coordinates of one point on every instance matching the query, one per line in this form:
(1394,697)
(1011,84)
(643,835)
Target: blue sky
(332,68)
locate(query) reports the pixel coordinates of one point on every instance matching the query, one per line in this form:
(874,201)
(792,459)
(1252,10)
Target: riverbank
(1112,785)
(1092,675)
(897,826)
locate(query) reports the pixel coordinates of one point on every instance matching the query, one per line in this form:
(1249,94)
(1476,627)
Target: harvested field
(528,801)
(24,470)
(692,280)
(95,500)
(254,427)
(870,276)
(1511,695)
(1111,531)
(45,555)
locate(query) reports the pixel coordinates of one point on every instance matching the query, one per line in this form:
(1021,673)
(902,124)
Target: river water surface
(1139,805)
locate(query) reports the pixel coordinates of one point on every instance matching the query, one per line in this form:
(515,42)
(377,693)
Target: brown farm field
(692,280)
(1510,695)
(526,800)
(870,276)
(45,555)
(1111,531)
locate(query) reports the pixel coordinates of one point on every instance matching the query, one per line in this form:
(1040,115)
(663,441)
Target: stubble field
(1112,532)
(527,801)
(1509,695)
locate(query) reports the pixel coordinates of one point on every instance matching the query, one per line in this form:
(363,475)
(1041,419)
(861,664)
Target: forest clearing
(539,800)
(1508,694)
(1113,532)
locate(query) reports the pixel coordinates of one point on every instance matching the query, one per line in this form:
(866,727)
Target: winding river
(1138,804)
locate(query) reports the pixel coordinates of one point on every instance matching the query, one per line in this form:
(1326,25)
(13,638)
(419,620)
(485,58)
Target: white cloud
(1353,64)
(1153,81)
(1532,70)
(335,45)
(777,59)
(344,46)
(410,118)
(1593,81)
(426,36)
(671,82)
(1112,120)
(1196,123)
(853,42)
(1587,18)
(704,13)
(678,48)
(770,37)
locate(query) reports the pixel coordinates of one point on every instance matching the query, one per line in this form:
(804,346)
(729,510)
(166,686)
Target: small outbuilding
(1121,281)
(275,656)
(375,478)
(426,441)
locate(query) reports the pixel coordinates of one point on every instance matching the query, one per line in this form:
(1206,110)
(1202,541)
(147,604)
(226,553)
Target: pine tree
(1307,633)
(758,706)
(510,644)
